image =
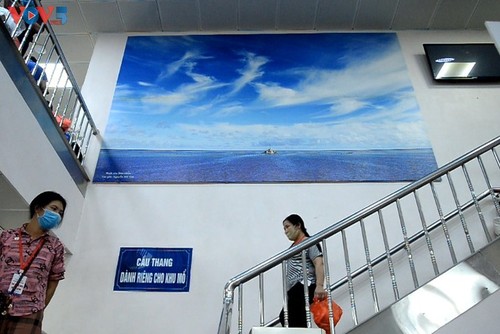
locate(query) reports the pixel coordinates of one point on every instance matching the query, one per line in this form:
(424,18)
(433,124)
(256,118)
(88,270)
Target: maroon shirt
(47,265)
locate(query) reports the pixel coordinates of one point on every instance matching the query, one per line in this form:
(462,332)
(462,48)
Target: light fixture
(455,70)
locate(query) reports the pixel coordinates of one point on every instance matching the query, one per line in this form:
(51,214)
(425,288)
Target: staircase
(409,244)
(441,300)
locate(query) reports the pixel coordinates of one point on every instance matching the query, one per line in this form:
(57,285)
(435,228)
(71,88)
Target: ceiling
(86,19)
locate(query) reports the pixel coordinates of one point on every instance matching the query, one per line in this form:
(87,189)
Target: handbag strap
(23,273)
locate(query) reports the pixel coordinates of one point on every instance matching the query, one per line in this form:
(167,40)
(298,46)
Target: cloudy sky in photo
(331,91)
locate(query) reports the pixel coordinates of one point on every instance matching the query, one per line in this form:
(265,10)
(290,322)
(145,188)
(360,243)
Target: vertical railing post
(284,270)
(326,268)
(306,289)
(369,266)
(407,244)
(240,309)
(444,224)
(388,256)
(488,184)
(476,202)
(426,233)
(349,278)
(460,214)
(261,299)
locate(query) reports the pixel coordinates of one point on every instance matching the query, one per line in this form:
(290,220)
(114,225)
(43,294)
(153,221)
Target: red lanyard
(23,264)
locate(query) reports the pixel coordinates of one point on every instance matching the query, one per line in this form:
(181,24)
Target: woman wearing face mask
(296,232)
(31,265)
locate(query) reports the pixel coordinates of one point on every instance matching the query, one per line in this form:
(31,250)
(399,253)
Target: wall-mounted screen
(458,62)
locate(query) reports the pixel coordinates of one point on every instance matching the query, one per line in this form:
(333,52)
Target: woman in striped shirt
(296,232)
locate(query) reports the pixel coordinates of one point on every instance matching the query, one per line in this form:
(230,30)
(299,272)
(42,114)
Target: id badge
(20,286)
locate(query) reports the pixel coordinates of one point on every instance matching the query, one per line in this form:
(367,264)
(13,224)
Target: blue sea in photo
(171,166)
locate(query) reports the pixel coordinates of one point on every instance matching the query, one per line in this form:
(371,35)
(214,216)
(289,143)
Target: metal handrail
(411,239)
(225,320)
(71,77)
(65,102)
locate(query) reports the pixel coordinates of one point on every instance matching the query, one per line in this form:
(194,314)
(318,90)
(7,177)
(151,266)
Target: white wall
(494,31)
(229,227)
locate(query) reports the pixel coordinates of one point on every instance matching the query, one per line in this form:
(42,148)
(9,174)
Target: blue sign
(153,269)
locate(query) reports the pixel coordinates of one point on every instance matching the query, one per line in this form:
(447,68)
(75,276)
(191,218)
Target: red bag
(319,309)
(65,123)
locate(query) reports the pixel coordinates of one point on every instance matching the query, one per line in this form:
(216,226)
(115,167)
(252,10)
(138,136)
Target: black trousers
(297,306)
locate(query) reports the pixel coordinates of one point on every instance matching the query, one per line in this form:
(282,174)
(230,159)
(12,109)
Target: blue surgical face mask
(49,220)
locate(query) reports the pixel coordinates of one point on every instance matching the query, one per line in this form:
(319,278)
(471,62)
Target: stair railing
(48,67)
(394,245)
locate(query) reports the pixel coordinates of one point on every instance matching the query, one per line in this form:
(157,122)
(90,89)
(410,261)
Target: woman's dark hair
(43,199)
(295,220)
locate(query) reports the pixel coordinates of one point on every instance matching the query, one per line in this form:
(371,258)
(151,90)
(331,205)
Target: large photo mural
(264,108)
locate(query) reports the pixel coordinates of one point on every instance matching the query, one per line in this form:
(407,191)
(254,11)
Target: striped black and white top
(294,267)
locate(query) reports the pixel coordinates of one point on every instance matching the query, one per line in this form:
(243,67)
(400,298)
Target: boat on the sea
(270,151)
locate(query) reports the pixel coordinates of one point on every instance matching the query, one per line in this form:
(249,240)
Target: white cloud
(359,80)
(145,84)
(250,72)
